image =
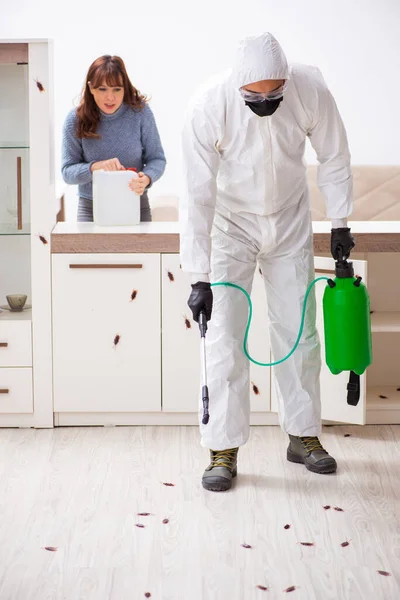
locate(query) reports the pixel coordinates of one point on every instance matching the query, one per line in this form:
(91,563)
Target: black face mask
(264,108)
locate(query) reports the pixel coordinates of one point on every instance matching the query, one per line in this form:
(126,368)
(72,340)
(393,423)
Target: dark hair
(109,70)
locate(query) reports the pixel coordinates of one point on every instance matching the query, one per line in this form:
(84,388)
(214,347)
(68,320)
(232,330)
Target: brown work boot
(220,472)
(309,451)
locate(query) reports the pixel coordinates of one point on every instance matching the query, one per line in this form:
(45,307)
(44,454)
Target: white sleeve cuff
(337,223)
(195,277)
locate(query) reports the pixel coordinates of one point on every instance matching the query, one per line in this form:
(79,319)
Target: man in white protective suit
(245,201)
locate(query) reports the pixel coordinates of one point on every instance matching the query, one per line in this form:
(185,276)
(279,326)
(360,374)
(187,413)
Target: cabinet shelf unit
(26,220)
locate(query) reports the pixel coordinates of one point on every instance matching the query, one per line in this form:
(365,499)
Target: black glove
(200,299)
(342,242)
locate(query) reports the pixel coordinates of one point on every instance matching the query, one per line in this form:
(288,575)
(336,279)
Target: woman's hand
(111,164)
(140,183)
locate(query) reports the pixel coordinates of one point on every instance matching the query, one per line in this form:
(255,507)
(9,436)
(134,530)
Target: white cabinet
(383,377)
(106,345)
(27,216)
(334,387)
(180,340)
(181,357)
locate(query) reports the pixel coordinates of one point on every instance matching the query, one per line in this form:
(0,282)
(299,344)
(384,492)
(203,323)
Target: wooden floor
(80,489)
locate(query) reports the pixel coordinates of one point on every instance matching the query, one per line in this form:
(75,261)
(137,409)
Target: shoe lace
(223,458)
(312,443)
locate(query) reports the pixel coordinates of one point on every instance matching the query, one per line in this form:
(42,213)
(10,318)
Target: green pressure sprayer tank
(347,325)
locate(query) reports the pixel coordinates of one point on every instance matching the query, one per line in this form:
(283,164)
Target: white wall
(169,47)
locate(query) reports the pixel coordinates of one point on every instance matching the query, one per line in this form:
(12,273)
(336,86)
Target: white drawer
(16,391)
(15,343)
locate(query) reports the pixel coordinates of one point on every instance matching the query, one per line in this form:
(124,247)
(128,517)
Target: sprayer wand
(204,387)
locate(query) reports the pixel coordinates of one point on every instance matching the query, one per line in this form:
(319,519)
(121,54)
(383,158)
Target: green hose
(246,335)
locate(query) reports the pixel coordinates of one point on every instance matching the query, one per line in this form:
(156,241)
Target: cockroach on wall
(39,85)
(170,276)
(43,239)
(187,323)
(133,295)
(116,340)
(255,389)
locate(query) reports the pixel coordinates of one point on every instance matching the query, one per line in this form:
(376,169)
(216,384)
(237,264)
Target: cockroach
(287,526)
(307,543)
(345,544)
(327,507)
(170,276)
(169,484)
(51,548)
(255,389)
(259,270)
(384,573)
(147,595)
(398,390)
(133,295)
(290,589)
(116,340)
(338,509)
(371,312)
(347,435)
(247,546)
(165,521)
(187,323)
(39,86)
(43,239)
(140,525)
(144,514)
(262,588)
(383,397)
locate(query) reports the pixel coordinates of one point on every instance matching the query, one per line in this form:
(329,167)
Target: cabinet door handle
(328,271)
(4,391)
(19,192)
(109,266)
(3,344)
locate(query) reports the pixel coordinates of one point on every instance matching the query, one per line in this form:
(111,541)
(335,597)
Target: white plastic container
(114,203)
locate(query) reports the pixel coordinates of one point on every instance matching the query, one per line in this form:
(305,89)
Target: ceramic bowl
(16,301)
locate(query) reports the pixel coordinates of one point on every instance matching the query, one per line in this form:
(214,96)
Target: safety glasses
(261,96)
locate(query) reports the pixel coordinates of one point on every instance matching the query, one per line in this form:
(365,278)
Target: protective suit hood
(258,58)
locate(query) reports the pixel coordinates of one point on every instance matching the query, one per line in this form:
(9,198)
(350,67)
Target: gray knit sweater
(129,135)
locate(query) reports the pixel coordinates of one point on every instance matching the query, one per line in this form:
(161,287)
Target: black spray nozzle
(358,281)
(202,323)
(206,414)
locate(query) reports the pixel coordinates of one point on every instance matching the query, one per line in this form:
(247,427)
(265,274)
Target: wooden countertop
(160,237)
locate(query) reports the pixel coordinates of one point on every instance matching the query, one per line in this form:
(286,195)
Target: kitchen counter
(163,237)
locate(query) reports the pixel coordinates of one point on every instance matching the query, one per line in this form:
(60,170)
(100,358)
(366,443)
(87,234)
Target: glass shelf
(13,145)
(11,229)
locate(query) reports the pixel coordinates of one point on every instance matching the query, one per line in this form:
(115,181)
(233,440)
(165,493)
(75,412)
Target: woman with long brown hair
(113,129)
